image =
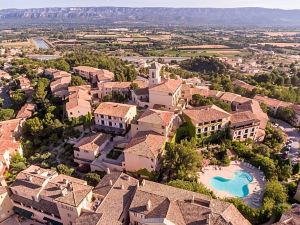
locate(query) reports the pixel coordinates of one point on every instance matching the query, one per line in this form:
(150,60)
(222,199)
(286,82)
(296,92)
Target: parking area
(292,145)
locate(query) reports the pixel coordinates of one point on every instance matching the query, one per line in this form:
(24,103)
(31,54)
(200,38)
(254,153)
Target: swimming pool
(237,186)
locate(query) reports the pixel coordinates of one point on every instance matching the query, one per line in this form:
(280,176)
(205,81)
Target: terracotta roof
(113,109)
(88,218)
(206,114)
(4,74)
(59,74)
(116,190)
(88,69)
(271,102)
(147,144)
(229,97)
(75,190)
(156,200)
(156,117)
(117,85)
(26,111)
(77,102)
(92,142)
(245,117)
(243,84)
(9,129)
(168,86)
(24,81)
(254,107)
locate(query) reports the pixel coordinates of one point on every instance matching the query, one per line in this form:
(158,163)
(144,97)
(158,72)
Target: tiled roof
(229,97)
(147,144)
(206,114)
(271,102)
(75,102)
(8,132)
(243,84)
(26,111)
(183,207)
(92,142)
(88,218)
(156,117)
(254,107)
(168,86)
(117,190)
(113,109)
(245,117)
(75,190)
(60,74)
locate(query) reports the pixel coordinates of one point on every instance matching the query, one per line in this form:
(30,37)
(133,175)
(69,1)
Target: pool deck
(256,187)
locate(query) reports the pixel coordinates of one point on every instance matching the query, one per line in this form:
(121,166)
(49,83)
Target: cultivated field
(282,45)
(203,47)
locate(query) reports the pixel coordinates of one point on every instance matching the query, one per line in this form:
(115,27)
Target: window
(109,117)
(121,125)
(102,122)
(246,131)
(110,124)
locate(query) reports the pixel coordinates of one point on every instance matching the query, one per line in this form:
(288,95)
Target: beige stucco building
(89,147)
(114,118)
(45,196)
(207,120)
(158,121)
(144,151)
(166,94)
(244,125)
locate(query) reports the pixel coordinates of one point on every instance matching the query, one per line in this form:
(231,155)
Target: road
(294,135)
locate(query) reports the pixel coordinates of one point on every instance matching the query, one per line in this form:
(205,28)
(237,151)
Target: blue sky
(284,4)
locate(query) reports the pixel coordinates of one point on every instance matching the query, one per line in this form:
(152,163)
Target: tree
(296,169)
(34,126)
(77,81)
(41,89)
(182,160)
(92,179)
(191,186)
(18,98)
(6,114)
(275,190)
(63,169)
(134,86)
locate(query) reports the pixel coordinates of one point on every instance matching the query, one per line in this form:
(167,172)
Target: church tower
(154,74)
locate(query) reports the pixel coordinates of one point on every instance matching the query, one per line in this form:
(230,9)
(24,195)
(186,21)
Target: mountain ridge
(152,16)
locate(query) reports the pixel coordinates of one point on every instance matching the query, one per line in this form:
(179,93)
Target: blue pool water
(237,186)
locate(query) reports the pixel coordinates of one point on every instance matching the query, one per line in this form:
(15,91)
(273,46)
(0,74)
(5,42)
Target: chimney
(143,183)
(108,170)
(122,187)
(110,182)
(138,184)
(65,181)
(29,178)
(37,171)
(193,199)
(148,205)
